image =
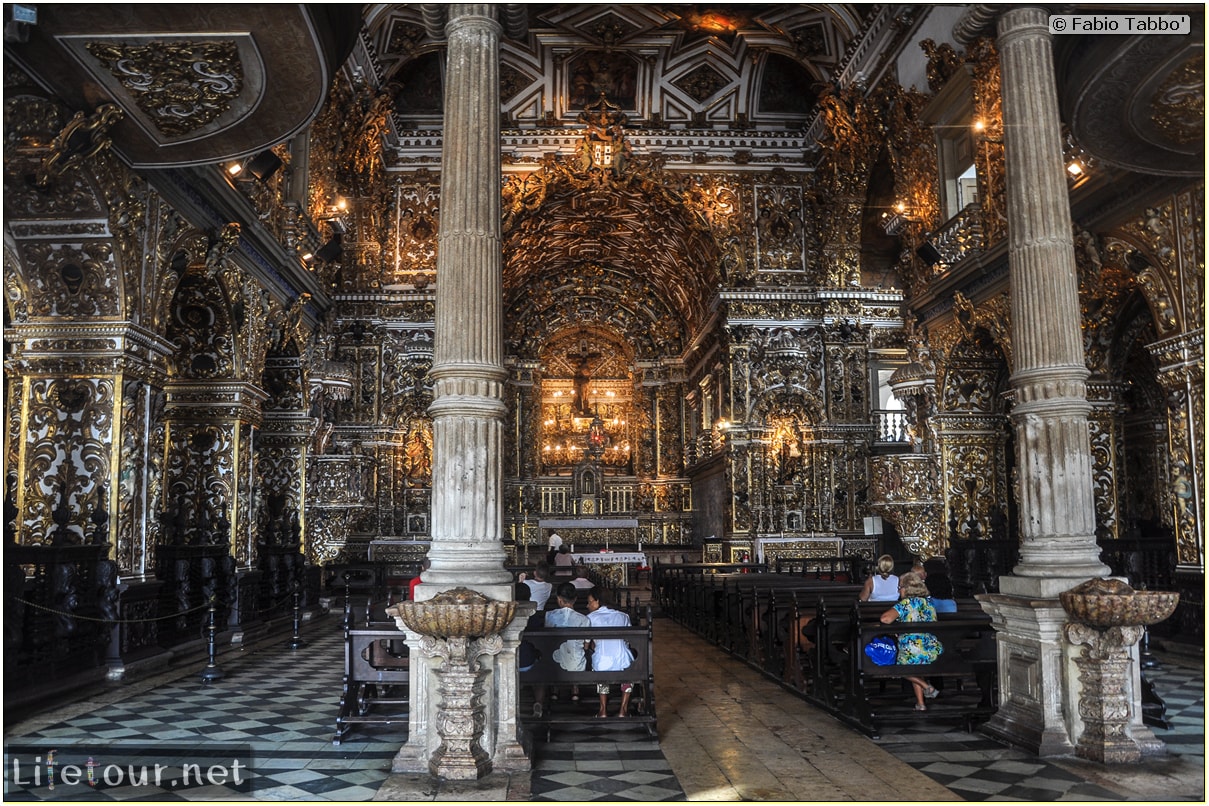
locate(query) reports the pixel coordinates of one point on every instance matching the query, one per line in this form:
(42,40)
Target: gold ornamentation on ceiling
(943,62)
(81,139)
(181,86)
(700,83)
(406,40)
(1179,104)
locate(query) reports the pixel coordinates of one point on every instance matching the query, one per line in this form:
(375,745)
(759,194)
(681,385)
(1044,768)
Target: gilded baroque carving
(993,317)
(943,62)
(988,107)
(83,138)
(1179,103)
(180,85)
(72,280)
(67,436)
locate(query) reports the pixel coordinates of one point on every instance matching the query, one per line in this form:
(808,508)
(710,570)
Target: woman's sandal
(920,707)
(931,693)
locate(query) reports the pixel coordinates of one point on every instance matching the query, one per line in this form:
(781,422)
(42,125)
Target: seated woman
(915,648)
(941,588)
(563,562)
(881,586)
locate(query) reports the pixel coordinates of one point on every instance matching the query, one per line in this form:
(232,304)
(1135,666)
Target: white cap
(555,540)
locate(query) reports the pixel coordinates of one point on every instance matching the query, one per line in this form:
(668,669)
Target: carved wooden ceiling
(661,64)
(197,83)
(1138,102)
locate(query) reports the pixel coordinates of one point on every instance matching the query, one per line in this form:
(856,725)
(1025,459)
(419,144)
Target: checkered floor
(276,708)
(602,762)
(977,767)
(275,711)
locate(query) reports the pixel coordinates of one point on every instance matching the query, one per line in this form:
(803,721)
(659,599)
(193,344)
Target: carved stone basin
(460,612)
(1104,603)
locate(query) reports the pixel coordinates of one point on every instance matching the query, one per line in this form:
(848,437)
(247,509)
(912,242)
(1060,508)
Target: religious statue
(583,377)
(419,466)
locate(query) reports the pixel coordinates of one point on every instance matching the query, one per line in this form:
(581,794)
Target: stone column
(1057,513)
(468,369)
(468,376)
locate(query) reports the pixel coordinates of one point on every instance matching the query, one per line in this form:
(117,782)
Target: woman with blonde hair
(881,586)
(915,648)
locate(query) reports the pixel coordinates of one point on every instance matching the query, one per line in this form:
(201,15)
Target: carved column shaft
(468,374)
(1057,513)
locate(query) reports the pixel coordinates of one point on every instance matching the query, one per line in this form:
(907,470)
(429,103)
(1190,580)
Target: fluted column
(468,372)
(1057,511)
(468,413)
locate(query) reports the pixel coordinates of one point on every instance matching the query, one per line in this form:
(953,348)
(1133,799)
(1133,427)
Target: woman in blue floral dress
(915,648)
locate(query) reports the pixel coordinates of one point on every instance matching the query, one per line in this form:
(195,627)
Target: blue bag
(882,650)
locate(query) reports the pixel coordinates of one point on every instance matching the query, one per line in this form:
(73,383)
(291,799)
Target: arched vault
(621,257)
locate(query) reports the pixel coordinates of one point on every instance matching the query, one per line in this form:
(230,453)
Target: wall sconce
(895,221)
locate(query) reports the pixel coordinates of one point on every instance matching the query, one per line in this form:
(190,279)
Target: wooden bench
(968,654)
(375,678)
(547,673)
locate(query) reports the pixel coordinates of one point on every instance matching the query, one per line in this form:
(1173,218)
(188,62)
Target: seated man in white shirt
(581,577)
(539,587)
(610,654)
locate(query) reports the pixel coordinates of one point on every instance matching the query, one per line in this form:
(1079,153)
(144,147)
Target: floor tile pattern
(980,768)
(279,707)
(602,761)
(278,704)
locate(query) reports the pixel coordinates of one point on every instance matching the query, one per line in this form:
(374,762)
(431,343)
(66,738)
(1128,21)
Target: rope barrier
(175,615)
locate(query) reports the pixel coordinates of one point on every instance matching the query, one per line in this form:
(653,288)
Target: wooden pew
(375,679)
(968,655)
(546,672)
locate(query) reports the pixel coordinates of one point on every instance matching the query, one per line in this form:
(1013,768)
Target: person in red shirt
(411,588)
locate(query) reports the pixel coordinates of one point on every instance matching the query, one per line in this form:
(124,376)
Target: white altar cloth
(610,557)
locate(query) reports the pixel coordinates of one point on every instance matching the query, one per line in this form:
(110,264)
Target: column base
(1032,691)
(1024,728)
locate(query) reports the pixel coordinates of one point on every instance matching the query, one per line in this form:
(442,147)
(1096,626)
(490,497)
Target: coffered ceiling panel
(197,83)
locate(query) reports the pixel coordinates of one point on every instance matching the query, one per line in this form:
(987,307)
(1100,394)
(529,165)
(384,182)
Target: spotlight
(929,253)
(263,165)
(330,251)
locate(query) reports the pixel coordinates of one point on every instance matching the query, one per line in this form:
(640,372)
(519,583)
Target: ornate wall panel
(974,480)
(66,456)
(1104,424)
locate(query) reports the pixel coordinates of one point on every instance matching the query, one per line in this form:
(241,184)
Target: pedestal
(460,716)
(1104,666)
(1028,635)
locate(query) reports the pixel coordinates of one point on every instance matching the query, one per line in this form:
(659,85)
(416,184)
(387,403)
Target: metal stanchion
(212,672)
(1145,659)
(297,642)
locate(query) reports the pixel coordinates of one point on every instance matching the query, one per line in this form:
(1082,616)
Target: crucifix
(582,360)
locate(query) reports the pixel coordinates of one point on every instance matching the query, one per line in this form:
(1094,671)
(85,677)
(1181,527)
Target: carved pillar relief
(1105,423)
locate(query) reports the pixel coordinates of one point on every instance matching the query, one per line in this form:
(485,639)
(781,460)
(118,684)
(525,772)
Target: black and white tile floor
(977,767)
(278,706)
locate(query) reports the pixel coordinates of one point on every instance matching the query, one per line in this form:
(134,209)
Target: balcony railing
(891,426)
(959,238)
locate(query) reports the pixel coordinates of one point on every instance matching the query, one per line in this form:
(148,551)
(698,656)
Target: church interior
(298,296)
